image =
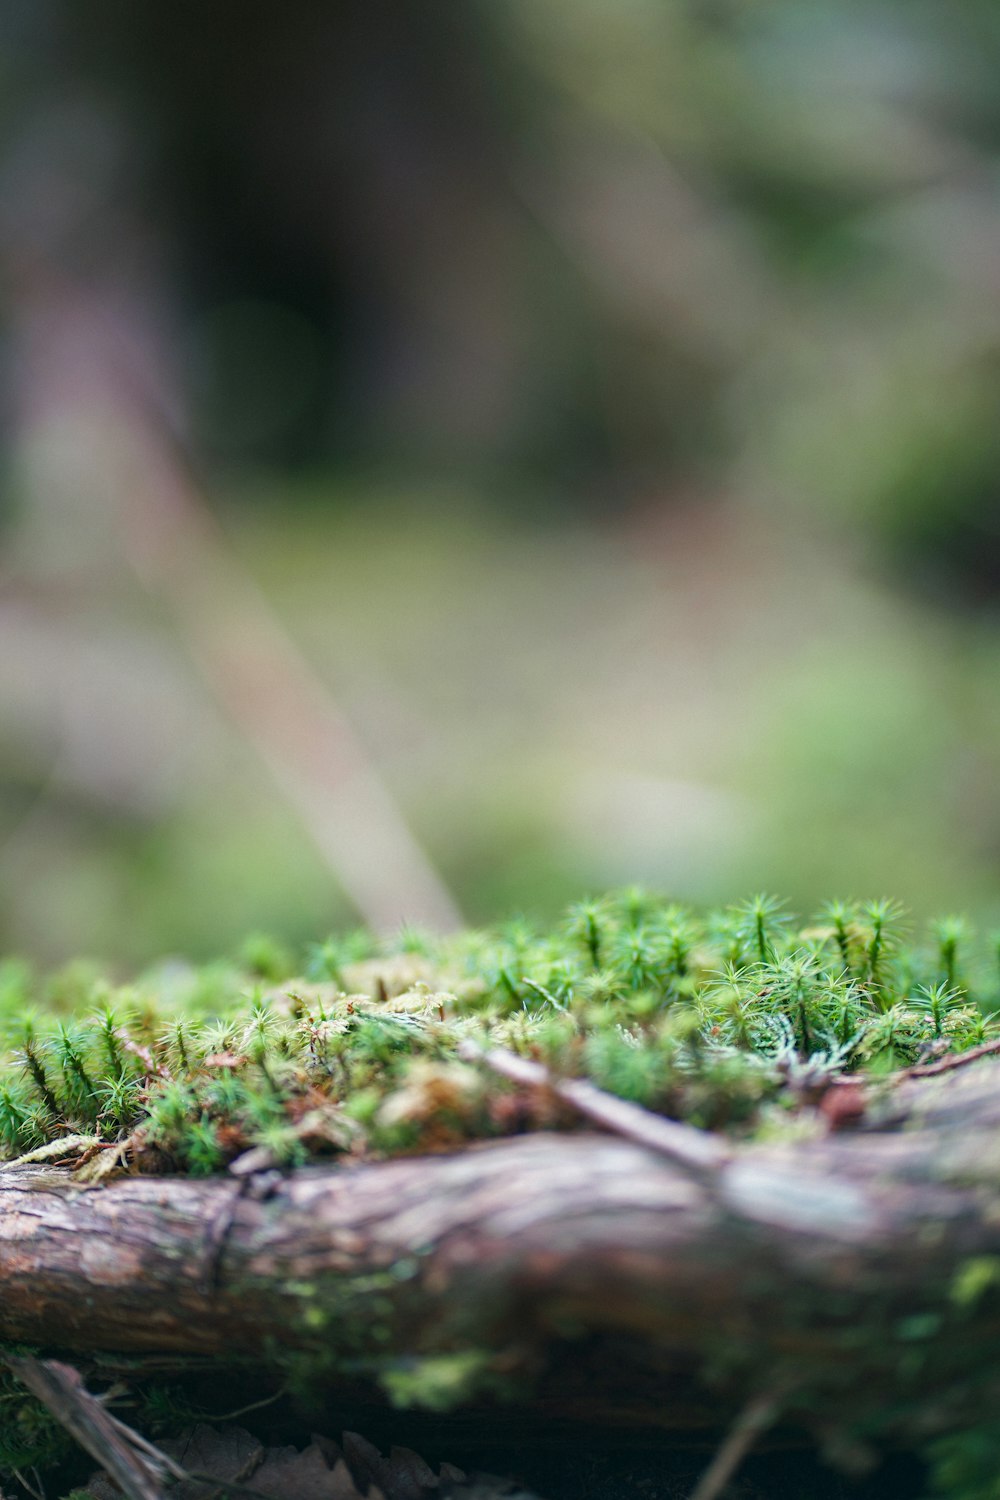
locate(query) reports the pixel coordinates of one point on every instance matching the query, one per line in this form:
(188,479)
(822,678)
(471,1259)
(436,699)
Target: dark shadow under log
(856,1276)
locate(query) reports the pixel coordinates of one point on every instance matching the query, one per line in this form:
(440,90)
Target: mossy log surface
(855,1274)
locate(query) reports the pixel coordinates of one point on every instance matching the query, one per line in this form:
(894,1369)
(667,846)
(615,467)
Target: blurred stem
(253,668)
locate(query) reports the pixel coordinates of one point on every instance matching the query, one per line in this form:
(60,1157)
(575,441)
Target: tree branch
(587,1274)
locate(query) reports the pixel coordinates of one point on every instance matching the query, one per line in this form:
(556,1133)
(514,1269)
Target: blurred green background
(568,430)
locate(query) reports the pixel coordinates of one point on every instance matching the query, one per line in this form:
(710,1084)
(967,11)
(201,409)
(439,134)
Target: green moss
(30,1437)
(716,1018)
(439,1383)
(734,1021)
(973,1279)
(966,1465)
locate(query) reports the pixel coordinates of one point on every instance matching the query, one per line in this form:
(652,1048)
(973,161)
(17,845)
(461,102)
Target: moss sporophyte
(725,1019)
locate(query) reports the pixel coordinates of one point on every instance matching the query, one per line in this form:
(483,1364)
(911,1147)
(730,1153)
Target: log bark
(856,1275)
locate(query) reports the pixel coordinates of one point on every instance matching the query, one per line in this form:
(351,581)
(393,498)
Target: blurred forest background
(460,455)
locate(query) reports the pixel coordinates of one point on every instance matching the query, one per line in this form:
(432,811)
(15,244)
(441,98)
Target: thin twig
(754,1419)
(137,1467)
(141,1444)
(241,1411)
(85,369)
(695,1150)
(34,1490)
(949,1064)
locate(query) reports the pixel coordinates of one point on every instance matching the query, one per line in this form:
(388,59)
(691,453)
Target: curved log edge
(857,1272)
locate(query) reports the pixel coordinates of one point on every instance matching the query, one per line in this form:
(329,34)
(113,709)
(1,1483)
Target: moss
(30,1437)
(734,1020)
(973,1279)
(439,1383)
(717,1018)
(966,1465)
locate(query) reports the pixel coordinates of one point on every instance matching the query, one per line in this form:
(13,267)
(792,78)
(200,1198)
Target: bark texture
(856,1273)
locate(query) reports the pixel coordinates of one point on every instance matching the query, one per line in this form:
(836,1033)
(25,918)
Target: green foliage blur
(602,396)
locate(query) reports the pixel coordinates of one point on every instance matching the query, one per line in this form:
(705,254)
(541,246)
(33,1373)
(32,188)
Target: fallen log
(852,1280)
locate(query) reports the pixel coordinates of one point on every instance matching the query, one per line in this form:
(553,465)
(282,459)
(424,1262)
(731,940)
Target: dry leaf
(351,1470)
(402,1476)
(230,1454)
(287,1474)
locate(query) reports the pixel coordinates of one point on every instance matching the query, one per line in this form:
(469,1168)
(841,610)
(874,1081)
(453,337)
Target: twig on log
(949,1064)
(694,1150)
(598,1276)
